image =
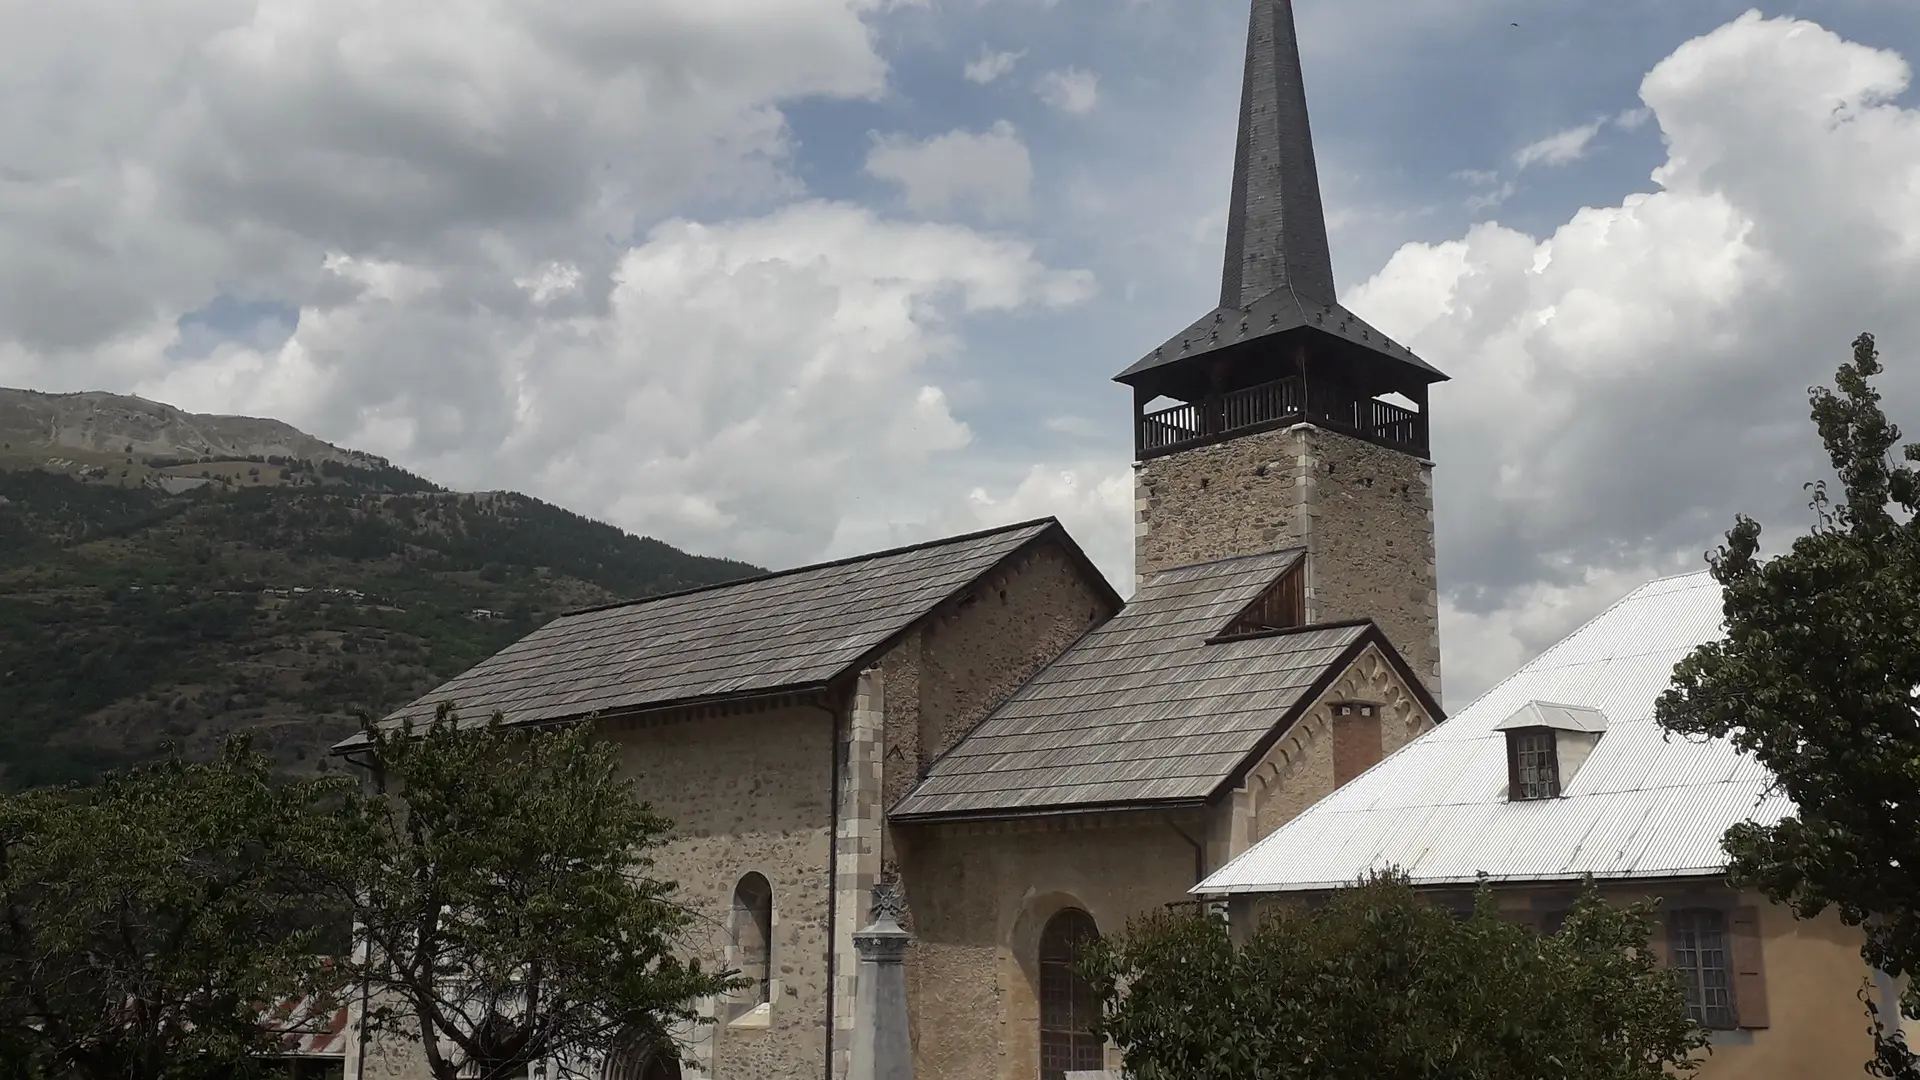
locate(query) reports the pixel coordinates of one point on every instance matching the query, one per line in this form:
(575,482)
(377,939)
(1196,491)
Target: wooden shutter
(1661,948)
(1513,770)
(1749,970)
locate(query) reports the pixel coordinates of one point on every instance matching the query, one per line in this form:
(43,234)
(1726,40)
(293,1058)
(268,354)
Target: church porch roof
(1153,708)
(790,631)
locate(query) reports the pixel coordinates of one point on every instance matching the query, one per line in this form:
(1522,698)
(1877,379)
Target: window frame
(1067,1043)
(1519,789)
(1695,934)
(751,908)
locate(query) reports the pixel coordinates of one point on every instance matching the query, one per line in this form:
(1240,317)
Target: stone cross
(882,1048)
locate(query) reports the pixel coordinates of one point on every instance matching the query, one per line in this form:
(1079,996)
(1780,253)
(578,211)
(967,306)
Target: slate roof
(1144,710)
(1277,274)
(1276,313)
(788,631)
(1641,806)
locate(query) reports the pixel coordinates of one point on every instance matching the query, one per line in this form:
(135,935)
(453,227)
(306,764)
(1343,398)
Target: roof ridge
(1629,595)
(830,563)
(1222,561)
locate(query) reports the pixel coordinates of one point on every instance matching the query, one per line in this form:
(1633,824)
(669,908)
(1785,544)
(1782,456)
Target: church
(979,733)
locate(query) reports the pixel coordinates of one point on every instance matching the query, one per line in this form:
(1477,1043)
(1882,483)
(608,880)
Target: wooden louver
(1283,606)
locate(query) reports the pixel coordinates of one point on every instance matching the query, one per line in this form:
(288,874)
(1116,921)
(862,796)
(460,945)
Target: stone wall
(986,890)
(1363,512)
(944,678)
(973,980)
(1300,769)
(938,683)
(749,792)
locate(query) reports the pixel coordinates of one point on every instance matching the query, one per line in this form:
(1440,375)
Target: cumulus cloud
(990,66)
(1070,91)
(469,208)
(1627,383)
(989,170)
(741,377)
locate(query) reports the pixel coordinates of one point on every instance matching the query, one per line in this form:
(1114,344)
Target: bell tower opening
(1281,419)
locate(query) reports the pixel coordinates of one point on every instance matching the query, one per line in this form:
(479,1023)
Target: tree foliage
(1818,677)
(1381,985)
(150,925)
(505,907)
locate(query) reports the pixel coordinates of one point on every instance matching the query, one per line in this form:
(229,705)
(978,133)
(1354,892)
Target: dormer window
(1533,764)
(1546,745)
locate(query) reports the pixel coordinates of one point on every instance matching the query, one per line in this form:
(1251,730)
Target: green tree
(1380,985)
(1818,677)
(147,924)
(504,902)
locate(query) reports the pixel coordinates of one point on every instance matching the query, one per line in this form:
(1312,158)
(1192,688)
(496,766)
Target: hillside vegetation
(147,600)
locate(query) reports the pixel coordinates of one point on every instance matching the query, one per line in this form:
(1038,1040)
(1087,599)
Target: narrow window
(1533,765)
(1697,949)
(753,937)
(1069,1005)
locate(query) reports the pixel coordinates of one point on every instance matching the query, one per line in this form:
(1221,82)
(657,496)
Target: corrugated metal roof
(786,630)
(1143,709)
(1547,714)
(1643,805)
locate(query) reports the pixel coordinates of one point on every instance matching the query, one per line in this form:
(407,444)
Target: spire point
(1276,227)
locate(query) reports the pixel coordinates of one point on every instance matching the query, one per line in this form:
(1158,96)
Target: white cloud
(989,170)
(1071,91)
(991,66)
(743,374)
(1633,119)
(1560,148)
(197,142)
(1627,383)
(448,197)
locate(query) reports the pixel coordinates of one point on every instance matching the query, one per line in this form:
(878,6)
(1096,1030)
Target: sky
(787,280)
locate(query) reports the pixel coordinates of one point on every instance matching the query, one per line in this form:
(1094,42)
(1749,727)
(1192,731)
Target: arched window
(640,1059)
(753,937)
(1069,1005)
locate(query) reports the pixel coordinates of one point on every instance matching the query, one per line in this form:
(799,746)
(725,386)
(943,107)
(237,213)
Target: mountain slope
(202,589)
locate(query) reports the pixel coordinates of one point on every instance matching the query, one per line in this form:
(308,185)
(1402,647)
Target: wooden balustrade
(1267,404)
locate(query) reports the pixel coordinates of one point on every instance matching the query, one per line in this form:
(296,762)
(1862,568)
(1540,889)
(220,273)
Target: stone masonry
(748,792)
(1363,512)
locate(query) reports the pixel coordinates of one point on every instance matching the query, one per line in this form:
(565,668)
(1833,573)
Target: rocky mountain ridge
(170,579)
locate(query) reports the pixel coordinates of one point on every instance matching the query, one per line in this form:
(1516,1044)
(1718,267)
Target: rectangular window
(1533,765)
(1697,949)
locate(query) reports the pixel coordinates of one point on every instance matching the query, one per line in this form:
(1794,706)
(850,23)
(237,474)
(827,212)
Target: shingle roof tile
(1143,709)
(792,629)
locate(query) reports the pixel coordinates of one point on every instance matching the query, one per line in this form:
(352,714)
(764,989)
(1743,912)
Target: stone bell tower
(1280,419)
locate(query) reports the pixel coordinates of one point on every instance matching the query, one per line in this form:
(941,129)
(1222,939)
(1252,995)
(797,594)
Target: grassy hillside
(148,600)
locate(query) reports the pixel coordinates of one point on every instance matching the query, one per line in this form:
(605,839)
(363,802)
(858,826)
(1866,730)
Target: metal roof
(1277,274)
(1144,709)
(791,630)
(1642,806)
(1547,714)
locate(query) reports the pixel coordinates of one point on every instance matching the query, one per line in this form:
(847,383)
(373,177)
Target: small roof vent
(1547,714)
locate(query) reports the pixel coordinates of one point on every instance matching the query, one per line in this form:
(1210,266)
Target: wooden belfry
(1279,349)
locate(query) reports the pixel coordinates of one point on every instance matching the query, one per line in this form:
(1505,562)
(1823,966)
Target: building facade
(1560,772)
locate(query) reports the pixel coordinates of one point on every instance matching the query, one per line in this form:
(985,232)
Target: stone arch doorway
(1069,1005)
(640,1060)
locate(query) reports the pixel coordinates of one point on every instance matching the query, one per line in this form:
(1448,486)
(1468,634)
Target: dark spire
(1276,229)
(1278,278)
